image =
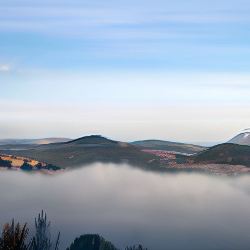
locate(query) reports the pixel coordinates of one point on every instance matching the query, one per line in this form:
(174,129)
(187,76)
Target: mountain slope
(169,146)
(87,150)
(227,153)
(241,139)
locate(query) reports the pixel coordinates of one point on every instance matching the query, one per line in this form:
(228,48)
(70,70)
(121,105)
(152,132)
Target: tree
(39,166)
(140,247)
(4,163)
(14,237)
(42,238)
(91,242)
(26,166)
(52,167)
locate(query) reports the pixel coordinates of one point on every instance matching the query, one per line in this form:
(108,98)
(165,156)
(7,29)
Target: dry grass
(17,161)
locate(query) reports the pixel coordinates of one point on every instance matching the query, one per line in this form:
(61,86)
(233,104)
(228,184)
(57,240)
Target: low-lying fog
(128,206)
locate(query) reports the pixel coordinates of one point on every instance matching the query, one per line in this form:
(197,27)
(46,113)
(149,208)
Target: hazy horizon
(126,70)
(202,143)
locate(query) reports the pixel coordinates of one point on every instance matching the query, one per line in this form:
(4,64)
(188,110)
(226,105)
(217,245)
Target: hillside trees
(4,163)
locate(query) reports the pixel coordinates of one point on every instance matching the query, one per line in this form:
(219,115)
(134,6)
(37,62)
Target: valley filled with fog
(128,206)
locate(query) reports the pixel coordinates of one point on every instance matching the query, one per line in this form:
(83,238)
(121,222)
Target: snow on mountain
(242,139)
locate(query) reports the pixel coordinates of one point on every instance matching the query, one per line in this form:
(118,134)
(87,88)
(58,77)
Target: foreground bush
(42,238)
(91,242)
(140,247)
(14,237)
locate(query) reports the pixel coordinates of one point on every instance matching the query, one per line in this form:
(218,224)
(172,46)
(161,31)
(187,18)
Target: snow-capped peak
(242,138)
(246,135)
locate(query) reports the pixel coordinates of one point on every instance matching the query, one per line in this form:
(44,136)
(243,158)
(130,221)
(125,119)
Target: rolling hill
(148,154)
(86,150)
(169,146)
(228,153)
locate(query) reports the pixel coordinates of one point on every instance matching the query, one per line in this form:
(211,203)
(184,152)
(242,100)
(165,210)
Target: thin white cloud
(108,20)
(4,68)
(104,15)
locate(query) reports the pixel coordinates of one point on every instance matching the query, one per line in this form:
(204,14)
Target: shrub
(14,237)
(4,163)
(140,247)
(91,242)
(42,238)
(26,166)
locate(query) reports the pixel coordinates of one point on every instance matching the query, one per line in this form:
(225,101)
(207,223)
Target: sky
(129,70)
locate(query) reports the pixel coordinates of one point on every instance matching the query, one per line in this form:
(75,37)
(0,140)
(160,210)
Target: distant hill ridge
(169,146)
(33,141)
(96,148)
(86,150)
(92,139)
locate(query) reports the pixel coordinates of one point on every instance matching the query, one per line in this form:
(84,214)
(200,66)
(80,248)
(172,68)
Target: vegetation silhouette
(16,237)
(91,242)
(42,238)
(140,247)
(4,163)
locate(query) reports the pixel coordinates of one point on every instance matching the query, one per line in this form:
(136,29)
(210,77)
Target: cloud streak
(5,68)
(101,19)
(127,34)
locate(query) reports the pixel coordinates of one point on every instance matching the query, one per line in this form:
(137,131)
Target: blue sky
(174,70)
